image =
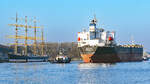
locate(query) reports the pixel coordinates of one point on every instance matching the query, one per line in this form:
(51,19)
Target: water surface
(75,73)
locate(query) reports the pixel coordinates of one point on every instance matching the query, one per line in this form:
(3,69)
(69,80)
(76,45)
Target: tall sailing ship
(99,46)
(25,55)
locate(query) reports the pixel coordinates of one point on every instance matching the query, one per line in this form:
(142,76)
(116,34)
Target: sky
(62,19)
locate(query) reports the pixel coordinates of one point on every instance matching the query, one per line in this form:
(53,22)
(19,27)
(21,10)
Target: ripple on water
(75,73)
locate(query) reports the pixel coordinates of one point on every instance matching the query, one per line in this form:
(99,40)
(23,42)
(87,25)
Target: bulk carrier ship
(99,46)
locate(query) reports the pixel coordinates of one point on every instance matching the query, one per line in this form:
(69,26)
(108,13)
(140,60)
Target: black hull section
(23,58)
(111,54)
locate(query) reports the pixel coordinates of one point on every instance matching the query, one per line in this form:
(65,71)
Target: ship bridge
(96,36)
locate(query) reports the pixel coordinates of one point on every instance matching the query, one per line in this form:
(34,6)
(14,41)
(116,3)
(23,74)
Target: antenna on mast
(95,18)
(132,40)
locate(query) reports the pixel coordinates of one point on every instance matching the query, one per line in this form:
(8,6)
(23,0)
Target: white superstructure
(96,36)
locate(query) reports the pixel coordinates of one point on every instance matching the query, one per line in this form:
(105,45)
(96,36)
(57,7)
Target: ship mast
(95,21)
(16,40)
(132,40)
(35,43)
(92,27)
(26,37)
(42,41)
(26,31)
